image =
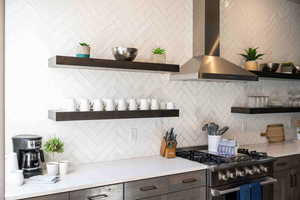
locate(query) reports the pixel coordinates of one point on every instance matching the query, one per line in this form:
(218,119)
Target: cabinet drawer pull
(95,197)
(291,180)
(281,164)
(148,188)
(189,180)
(295,180)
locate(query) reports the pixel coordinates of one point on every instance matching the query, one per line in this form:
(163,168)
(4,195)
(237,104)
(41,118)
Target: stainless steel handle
(148,188)
(216,193)
(100,196)
(189,180)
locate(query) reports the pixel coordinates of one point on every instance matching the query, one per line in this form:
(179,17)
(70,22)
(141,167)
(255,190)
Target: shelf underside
(245,110)
(105,64)
(75,116)
(273,75)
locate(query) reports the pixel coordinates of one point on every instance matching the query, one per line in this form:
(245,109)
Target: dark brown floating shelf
(104,64)
(245,110)
(76,116)
(273,75)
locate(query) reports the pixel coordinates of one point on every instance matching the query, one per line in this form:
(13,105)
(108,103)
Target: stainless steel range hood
(206,62)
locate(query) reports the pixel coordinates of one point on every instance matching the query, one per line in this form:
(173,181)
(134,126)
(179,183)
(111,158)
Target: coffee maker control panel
(34,144)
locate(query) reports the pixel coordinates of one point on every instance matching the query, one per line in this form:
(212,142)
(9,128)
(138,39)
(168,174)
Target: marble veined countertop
(106,173)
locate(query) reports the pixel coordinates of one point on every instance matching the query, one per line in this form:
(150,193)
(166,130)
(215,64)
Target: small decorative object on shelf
(251,56)
(159,55)
(83,50)
(169,144)
(53,146)
(124,53)
(288,68)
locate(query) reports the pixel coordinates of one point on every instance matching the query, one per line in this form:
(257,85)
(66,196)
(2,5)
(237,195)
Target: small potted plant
(251,56)
(53,146)
(83,50)
(159,55)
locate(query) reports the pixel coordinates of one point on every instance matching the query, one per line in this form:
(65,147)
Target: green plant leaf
(251,54)
(54,145)
(159,51)
(84,44)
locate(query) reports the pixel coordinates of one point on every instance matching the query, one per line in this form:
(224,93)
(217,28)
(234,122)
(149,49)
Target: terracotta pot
(83,51)
(251,65)
(157,58)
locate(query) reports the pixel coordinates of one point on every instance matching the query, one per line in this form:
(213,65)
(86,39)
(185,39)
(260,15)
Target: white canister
(16,178)
(98,105)
(213,142)
(84,105)
(52,168)
(64,167)
(11,161)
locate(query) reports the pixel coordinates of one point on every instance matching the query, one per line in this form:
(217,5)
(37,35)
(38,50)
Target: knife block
(168,150)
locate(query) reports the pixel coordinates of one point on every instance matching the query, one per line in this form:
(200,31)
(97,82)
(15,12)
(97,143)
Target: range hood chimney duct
(206,62)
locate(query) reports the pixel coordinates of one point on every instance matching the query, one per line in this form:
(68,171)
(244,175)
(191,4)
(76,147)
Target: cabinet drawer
(186,181)
(113,192)
(193,194)
(283,163)
(62,196)
(146,188)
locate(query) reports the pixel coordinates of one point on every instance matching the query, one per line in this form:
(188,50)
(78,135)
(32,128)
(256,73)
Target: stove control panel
(242,172)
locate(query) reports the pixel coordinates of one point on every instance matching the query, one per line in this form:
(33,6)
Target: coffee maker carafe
(29,154)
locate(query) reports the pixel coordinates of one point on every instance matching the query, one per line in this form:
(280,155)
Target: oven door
(227,192)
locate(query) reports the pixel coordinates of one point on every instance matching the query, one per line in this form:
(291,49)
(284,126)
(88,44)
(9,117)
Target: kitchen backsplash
(37,30)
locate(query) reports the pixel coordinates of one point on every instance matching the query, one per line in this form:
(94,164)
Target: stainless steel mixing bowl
(124,54)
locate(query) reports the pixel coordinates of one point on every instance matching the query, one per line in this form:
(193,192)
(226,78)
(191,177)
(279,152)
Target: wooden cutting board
(275,133)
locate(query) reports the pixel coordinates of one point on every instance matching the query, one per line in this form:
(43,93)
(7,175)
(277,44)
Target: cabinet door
(283,188)
(63,196)
(296,184)
(193,194)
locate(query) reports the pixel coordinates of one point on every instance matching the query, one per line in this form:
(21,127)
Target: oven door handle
(216,193)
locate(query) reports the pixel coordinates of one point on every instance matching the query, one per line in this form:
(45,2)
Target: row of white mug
(84,105)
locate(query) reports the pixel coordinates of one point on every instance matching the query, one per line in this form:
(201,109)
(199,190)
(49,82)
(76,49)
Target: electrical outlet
(134,135)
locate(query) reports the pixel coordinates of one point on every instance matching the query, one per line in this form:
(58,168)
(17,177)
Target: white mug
(162,106)
(84,105)
(144,104)
(98,105)
(170,106)
(64,167)
(109,105)
(52,168)
(122,105)
(132,104)
(16,178)
(69,105)
(154,104)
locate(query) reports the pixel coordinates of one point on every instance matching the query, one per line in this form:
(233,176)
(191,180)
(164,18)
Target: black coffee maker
(29,154)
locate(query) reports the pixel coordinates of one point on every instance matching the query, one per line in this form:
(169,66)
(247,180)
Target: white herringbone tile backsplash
(37,30)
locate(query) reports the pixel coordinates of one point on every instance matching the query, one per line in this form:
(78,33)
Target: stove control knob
(257,170)
(230,175)
(263,168)
(223,177)
(240,173)
(249,171)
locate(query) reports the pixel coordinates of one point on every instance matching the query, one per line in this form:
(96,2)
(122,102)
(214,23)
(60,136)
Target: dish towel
(251,191)
(244,193)
(256,191)
(43,179)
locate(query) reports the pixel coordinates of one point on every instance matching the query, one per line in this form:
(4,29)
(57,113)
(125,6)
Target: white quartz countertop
(107,173)
(277,149)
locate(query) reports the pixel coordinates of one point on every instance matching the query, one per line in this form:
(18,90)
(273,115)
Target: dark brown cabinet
(287,172)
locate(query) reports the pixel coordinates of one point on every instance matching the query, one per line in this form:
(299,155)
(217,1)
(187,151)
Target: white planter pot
(52,168)
(251,65)
(213,142)
(83,51)
(156,58)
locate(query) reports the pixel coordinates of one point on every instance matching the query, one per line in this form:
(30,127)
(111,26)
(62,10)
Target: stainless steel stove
(226,174)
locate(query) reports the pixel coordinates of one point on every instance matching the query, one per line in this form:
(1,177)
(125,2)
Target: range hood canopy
(206,62)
